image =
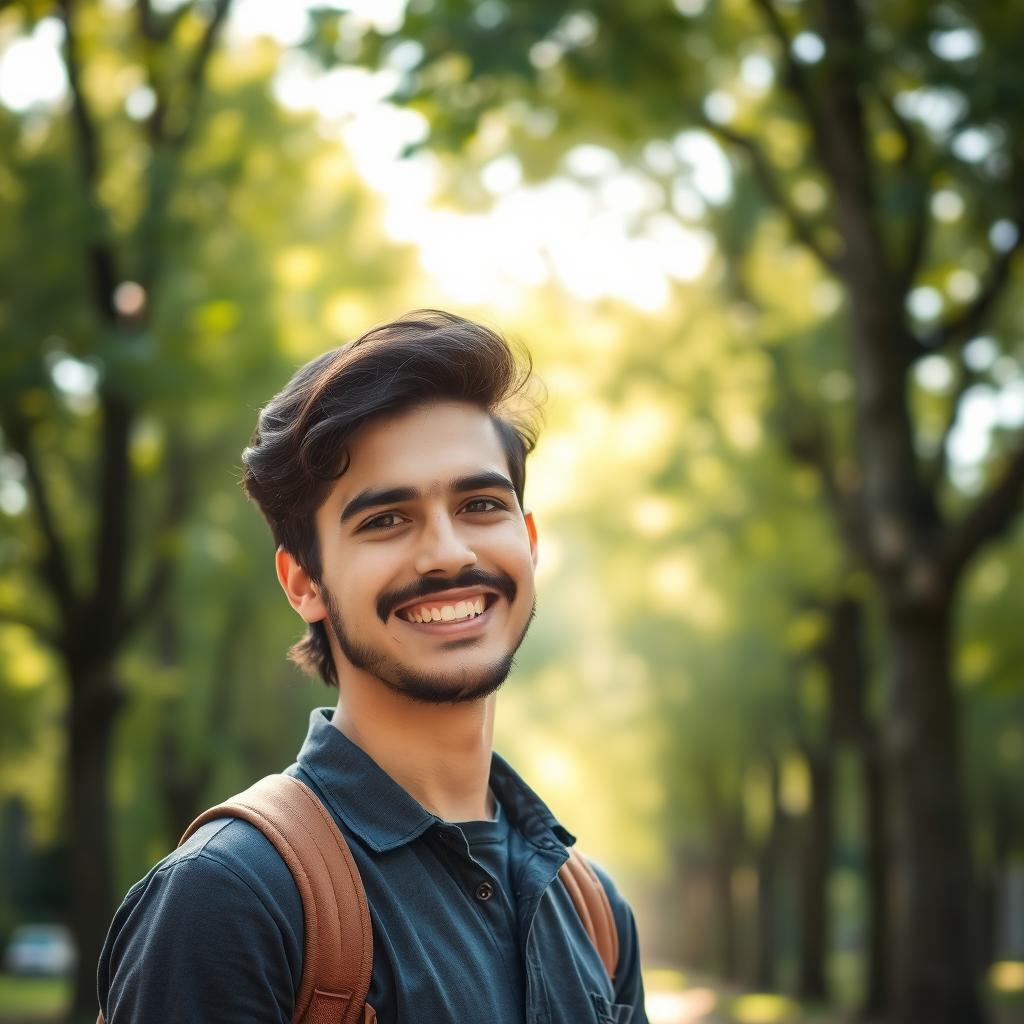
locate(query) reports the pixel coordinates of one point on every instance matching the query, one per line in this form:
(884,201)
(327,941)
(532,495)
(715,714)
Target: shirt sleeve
(213,934)
(629,983)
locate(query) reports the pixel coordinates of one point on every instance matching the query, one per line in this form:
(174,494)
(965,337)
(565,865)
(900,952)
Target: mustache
(504,585)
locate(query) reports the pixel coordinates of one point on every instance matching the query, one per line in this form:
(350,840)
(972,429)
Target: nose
(442,549)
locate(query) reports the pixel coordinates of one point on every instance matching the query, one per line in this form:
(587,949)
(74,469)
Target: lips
(429,592)
(450,627)
(447,605)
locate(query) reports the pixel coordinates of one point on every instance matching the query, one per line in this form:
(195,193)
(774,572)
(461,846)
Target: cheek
(517,561)
(514,538)
(371,565)
(355,586)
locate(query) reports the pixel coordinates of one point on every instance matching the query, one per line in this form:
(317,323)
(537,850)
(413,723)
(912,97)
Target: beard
(458,686)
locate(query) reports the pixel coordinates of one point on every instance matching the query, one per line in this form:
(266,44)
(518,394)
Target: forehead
(423,448)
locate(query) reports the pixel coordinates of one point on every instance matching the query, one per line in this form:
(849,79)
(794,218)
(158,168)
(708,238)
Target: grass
(675,997)
(24,1000)
(28,1000)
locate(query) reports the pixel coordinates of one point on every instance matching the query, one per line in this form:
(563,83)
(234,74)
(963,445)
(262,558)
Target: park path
(690,1006)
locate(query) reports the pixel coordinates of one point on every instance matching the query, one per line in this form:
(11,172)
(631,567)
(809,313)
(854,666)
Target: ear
(302,593)
(531,531)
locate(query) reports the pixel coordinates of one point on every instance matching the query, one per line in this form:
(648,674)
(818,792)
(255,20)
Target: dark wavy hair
(299,448)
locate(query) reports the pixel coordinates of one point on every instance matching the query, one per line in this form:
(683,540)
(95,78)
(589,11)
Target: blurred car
(40,949)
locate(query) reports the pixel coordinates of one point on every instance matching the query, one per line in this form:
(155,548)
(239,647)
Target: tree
(172,294)
(864,175)
(118,281)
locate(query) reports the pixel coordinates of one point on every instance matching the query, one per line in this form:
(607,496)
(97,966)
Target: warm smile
(455,612)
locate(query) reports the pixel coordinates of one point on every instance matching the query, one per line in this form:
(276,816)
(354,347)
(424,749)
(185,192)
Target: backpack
(338,946)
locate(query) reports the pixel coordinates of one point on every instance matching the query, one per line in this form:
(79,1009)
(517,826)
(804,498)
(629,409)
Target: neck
(438,753)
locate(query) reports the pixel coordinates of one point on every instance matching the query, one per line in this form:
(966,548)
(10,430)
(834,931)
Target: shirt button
(484,891)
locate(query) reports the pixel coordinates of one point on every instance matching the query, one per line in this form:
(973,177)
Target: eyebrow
(376,497)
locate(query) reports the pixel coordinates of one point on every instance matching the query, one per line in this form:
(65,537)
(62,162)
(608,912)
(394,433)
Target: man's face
(427,561)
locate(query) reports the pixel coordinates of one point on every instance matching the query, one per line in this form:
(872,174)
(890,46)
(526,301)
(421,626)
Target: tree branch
(902,126)
(917,241)
(150,597)
(968,377)
(111,549)
(160,27)
(810,445)
(962,328)
(81,115)
(831,99)
(195,78)
(162,570)
(807,441)
(169,129)
(100,254)
(154,32)
(773,190)
(109,608)
(992,515)
(795,78)
(54,566)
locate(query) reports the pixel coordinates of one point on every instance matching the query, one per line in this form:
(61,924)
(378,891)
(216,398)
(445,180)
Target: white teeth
(448,612)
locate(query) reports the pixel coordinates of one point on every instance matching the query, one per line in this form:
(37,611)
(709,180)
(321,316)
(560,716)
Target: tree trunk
(688,938)
(95,702)
(902,530)
(766,953)
(816,855)
(725,907)
(935,976)
(845,655)
(724,828)
(184,776)
(181,781)
(877,992)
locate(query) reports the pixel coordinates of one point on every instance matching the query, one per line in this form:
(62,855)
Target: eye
(385,521)
(482,505)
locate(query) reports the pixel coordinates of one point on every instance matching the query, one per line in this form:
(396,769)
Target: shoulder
(227,867)
(226,860)
(221,909)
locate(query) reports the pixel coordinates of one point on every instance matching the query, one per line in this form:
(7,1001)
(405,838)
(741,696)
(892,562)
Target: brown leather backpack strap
(591,902)
(338,947)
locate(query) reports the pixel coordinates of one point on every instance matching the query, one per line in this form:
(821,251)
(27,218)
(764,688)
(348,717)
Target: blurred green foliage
(673,698)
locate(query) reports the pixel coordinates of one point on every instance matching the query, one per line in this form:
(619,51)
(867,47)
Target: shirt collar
(383,815)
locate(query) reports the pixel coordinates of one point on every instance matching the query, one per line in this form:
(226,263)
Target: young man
(391,472)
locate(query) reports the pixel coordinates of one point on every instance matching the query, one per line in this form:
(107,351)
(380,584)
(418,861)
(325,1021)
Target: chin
(439,686)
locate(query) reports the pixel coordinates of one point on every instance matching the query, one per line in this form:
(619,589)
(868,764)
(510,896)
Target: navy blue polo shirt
(214,932)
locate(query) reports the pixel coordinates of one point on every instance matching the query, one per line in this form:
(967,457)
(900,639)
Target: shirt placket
(537,875)
(482,887)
